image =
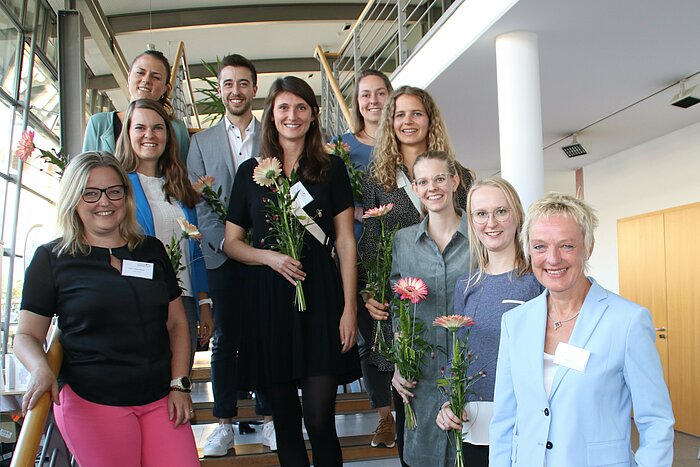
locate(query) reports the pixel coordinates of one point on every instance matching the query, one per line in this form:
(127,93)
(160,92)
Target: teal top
(99,135)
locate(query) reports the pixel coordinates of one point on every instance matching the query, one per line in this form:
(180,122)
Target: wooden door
(682,233)
(642,272)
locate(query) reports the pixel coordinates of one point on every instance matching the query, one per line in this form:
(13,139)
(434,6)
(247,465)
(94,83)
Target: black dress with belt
(280,343)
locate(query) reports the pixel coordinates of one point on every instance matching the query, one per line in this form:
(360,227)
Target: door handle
(661,329)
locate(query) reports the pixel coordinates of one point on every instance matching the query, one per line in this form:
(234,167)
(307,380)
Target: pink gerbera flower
(25,148)
(411,288)
(379,211)
(267,171)
(453,322)
(205,181)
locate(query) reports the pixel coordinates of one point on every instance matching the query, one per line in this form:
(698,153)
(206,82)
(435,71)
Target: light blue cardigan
(144,216)
(99,135)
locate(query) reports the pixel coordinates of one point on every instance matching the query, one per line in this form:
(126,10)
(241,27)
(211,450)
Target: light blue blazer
(586,421)
(99,135)
(198,271)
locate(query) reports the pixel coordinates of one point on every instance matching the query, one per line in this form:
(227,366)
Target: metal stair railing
(384,36)
(181,95)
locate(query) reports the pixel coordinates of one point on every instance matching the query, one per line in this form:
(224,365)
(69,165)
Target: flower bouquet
(378,269)
(456,382)
(356,174)
(409,346)
(285,225)
(26,147)
(205,187)
(174,250)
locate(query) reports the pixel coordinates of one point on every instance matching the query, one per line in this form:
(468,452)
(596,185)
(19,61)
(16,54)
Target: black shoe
(245,428)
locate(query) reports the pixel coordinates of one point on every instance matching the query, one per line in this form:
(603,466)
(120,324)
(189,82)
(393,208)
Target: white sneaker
(269,438)
(219,441)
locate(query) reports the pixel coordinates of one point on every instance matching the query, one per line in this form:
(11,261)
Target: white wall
(659,174)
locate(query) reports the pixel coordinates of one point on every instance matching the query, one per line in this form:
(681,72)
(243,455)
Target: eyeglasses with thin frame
(482,217)
(438,180)
(113,193)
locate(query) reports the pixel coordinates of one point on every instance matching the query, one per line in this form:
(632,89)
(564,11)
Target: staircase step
(354,448)
(350,403)
(200,374)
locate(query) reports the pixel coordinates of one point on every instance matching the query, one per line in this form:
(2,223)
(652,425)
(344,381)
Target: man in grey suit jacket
(218,151)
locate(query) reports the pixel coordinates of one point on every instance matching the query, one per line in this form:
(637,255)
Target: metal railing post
(71,81)
(401,6)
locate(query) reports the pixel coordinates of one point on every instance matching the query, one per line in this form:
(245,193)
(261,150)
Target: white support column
(520,114)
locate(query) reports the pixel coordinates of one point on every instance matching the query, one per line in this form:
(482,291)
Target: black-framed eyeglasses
(482,217)
(113,193)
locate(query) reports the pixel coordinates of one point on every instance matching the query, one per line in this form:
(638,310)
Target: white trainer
(269,438)
(219,441)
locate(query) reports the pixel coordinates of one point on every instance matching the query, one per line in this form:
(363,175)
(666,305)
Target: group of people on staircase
(561,361)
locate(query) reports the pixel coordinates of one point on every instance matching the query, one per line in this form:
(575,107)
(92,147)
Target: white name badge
(303,197)
(571,356)
(137,269)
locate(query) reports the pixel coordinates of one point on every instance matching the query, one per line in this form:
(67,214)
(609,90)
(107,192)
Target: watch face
(186,382)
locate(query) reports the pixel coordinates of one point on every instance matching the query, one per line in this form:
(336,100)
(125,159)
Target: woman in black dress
(284,349)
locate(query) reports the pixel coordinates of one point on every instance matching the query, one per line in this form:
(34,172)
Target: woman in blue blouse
(147,149)
(149,78)
(498,280)
(371,92)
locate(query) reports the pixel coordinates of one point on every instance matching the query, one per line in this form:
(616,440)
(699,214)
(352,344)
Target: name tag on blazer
(571,356)
(137,269)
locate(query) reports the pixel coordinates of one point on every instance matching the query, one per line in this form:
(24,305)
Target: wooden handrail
(33,426)
(180,57)
(321,55)
(176,66)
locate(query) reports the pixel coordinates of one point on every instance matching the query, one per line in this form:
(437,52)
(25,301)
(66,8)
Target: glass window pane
(30,6)
(15,6)
(9,37)
(35,226)
(51,39)
(5,129)
(44,99)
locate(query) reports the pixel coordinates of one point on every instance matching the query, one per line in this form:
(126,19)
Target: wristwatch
(181,384)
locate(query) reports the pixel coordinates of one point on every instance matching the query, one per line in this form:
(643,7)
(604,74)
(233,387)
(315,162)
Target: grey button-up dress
(415,254)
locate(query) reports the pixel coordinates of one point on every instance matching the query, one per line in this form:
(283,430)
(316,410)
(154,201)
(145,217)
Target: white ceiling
(597,58)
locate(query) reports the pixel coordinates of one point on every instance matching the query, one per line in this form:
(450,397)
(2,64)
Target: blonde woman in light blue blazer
(576,360)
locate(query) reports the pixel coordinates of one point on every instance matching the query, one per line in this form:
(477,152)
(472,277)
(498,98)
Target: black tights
(318,397)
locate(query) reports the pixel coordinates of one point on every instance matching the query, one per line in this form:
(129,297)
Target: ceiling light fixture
(685,98)
(574,149)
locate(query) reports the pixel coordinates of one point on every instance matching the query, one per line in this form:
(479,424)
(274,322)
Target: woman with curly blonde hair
(411,125)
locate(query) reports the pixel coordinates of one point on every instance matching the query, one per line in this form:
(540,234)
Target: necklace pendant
(557,325)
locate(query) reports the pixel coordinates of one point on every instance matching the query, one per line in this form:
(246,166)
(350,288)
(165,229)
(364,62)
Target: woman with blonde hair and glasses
(122,397)
(499,279)
(411,125)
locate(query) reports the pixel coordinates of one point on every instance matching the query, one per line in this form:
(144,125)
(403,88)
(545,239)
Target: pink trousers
(137,436)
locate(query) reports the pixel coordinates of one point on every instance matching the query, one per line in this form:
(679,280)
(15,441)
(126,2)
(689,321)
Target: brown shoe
(385,433)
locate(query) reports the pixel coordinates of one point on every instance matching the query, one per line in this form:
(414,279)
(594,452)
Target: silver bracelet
(206,301)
